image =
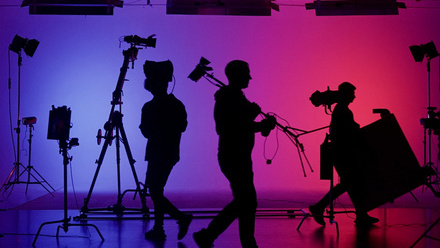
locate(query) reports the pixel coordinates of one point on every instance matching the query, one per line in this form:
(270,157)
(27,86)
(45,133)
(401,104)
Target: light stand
(115,122)
(59,129)
(30,121)
(429,51)
(29,47)
(431,123)
(64,146)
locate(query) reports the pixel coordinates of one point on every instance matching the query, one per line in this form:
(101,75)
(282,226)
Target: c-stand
(29,47)
(64,146)
(115,123)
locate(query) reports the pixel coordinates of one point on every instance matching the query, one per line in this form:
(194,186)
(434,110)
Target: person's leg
(317,210)
(162,205)
(157,176)
(247,207)
(205,237)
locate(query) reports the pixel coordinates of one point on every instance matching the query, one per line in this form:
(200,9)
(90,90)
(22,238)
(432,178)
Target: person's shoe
(183,225)
(156,234)
(365,220)
(202,240)
(317,214)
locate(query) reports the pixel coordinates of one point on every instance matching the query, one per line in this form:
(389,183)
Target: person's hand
(268,125)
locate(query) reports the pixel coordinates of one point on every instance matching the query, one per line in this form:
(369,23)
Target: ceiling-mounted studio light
(71,7)
(221,7)
(355,7)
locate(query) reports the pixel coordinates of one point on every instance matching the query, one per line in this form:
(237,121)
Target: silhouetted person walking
(163,120)
(234,117)
(347,150)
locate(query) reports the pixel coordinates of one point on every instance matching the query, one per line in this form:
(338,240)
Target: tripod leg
(99,162)
(302,220)
(28,180)
(132,161)
(43,180)
(426,232)
(7,183)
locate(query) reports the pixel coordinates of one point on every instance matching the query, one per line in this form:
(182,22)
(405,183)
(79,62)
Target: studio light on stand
(29,46)
(431,125)
(419,52)
(59,129)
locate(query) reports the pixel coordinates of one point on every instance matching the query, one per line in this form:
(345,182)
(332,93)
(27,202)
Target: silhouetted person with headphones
(164,118)
(236,126)
(347,148)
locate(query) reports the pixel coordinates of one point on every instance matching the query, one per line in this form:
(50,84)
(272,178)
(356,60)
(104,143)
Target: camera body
(136,40)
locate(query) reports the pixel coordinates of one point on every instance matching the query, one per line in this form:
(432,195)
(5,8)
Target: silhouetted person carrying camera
(347,148)
(163,120)
(234,117)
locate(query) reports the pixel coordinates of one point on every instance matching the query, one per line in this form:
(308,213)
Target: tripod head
(136,43)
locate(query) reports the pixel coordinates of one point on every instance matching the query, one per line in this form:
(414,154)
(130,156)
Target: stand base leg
(426,232)
(331,220)
(65,227)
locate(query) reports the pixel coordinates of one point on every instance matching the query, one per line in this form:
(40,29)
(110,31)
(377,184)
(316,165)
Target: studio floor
(400,225)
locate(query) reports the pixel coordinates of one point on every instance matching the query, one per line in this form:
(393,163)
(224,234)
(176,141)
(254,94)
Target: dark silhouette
(347,148)
(163,120)
(234,117)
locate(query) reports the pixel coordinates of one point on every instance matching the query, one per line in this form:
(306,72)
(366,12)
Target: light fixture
(28,46)
(221,7)
(71,7)
(355,7)
(419,52)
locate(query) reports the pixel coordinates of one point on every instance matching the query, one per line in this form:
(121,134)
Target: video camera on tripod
(114,123)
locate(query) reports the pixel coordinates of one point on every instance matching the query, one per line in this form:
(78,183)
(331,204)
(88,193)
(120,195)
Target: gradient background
(291,54)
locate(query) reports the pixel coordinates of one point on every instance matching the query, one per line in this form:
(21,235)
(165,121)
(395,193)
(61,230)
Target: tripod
(429,129)
(66,220)
(115,122)
(39,179)
(16,170)
(30,168)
